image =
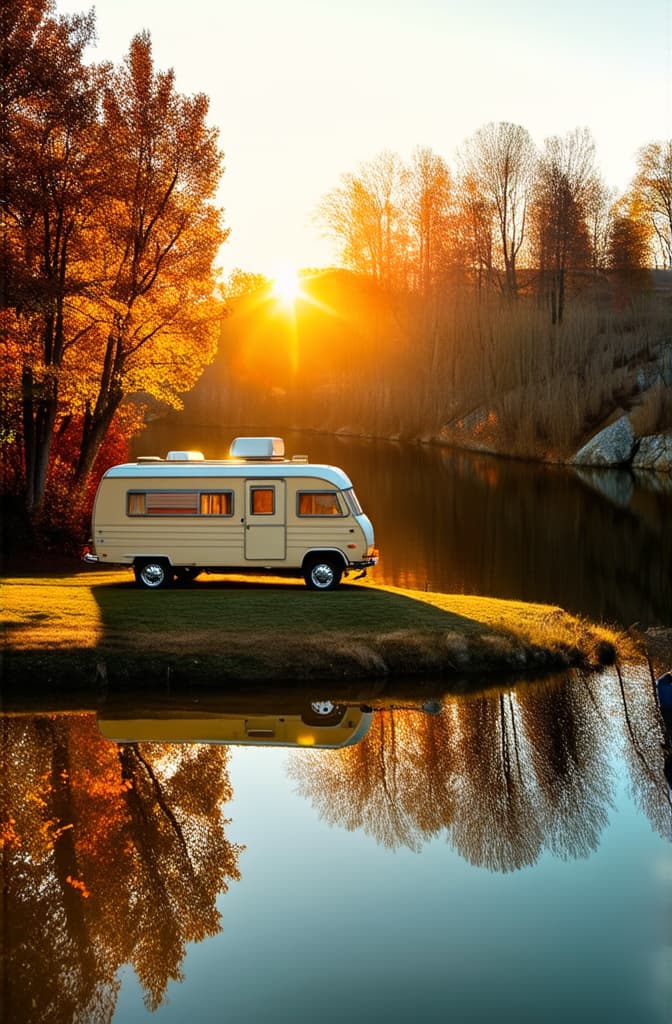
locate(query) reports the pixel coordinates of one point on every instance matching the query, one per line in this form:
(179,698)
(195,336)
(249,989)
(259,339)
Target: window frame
(253,490)
(319,515)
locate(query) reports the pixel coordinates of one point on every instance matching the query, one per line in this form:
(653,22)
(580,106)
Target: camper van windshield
(353,504)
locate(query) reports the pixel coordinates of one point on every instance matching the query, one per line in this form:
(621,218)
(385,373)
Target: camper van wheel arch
(323,572)
(152,573)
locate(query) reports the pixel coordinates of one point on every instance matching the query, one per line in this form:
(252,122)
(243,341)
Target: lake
(395,851)
(504,854)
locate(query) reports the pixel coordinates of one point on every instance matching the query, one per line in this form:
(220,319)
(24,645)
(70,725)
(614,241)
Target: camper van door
(265,520)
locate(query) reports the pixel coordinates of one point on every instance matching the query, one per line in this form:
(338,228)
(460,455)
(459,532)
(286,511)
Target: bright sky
(305,90)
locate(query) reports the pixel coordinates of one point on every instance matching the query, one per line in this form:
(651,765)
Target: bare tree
(653,187)
(429,186)
(475,231)
(500,159)
(599,205)
(365,215)
(565,171)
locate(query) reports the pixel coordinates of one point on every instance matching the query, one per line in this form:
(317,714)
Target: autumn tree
(159,231)
(653,187)
(565,173)
(110,230)
(49,191)
(499,162)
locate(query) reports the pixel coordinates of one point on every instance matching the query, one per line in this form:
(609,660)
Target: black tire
(323,573)
(323,712)
(153,573)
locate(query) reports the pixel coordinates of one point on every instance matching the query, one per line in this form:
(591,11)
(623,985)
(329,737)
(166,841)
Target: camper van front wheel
(152,573)
(323,574)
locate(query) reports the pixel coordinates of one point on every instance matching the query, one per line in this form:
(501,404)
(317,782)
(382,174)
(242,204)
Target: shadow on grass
(241,629)
(224,630)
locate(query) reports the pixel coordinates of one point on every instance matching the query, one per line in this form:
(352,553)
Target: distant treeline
(510,217)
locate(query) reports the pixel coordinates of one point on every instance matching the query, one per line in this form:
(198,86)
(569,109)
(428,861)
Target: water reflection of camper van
(171,519)
(321,723)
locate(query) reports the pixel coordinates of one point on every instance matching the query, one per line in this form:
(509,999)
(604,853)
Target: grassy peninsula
(87,628)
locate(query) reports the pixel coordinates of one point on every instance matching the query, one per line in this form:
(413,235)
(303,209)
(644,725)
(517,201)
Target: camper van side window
(318,503)
(262,501)
(218,504)
(162,503)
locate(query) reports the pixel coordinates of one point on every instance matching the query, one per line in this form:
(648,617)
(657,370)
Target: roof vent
(257,448)
(184,457)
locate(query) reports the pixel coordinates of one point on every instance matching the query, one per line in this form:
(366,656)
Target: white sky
(305,90)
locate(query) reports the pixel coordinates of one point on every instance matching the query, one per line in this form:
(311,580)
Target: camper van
(173,518)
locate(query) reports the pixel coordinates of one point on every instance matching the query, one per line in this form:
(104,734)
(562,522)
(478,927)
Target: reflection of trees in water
(111,856)
(643,746)
(383,784)
(505,776)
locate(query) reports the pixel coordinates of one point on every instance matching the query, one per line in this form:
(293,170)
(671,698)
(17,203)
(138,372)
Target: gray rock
(655,452)
(612,446)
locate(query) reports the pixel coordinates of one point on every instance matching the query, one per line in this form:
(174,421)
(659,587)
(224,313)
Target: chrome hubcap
(152,575)
(322,575)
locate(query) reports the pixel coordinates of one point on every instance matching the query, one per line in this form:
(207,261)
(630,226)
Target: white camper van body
(171,519)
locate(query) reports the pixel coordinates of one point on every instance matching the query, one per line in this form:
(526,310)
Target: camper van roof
(157,469)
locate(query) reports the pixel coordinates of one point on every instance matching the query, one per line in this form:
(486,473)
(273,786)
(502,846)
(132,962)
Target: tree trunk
(110,395)
(39,419)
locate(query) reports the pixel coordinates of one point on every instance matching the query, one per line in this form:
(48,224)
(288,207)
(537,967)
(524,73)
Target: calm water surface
(505,855)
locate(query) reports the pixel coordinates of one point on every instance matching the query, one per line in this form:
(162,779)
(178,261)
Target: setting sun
(286,285)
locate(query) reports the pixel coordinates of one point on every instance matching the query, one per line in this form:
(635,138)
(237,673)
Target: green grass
(97,624)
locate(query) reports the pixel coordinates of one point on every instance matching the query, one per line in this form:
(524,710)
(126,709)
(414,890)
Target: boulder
(655,452)
(612,446)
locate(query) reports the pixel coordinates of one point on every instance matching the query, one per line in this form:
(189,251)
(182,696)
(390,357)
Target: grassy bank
(87,628)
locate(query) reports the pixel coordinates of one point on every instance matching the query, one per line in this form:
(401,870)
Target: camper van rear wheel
(152,573)
(323,574)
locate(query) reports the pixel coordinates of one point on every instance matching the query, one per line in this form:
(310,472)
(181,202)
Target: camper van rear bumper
(365,563)
(90,559)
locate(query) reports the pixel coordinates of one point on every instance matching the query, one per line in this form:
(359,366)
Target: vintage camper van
(173,518)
